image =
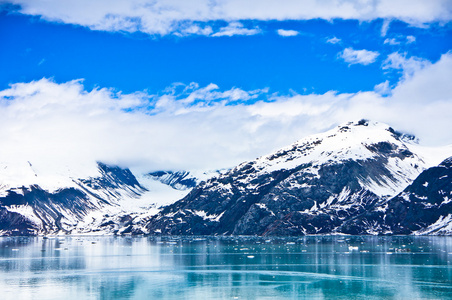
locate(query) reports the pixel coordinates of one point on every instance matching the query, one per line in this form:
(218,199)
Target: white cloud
(391,41)
(426,83)
(383,88)
(363,57)
(333,40)
(204,127)
(43,121)
(407,65)
(410,39)
(236,28)
(399,40)
(283,32)
(167,16)
(385,27)
(194,29)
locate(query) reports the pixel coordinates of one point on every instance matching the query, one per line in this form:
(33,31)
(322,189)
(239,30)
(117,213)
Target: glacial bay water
(313,267)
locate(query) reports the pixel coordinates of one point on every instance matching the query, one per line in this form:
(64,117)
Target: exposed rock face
(314,186)
(111,200)
(424,207)
(13,223)
(180,180)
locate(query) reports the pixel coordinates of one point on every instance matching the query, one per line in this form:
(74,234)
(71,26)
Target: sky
(176,85)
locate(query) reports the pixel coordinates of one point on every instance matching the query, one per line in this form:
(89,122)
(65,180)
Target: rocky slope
(359,178)
(314,186)
(111,201)
(32,210)
(424,207)
(179,180)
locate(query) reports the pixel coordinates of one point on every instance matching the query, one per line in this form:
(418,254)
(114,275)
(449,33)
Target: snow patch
(443,226)
(203,214)
(26,211)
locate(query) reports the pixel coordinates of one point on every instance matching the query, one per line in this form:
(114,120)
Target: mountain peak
(364,124)
(359,140)
(447,162)
(309,187)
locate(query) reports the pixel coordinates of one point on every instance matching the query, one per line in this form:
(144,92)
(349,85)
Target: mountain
(32,210)
(424,207)
(358,178)
(112,200)
(315,186)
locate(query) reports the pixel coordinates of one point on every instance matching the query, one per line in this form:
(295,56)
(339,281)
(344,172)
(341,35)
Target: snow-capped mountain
(47,211)
(314,186)
(359,178)
(112,200)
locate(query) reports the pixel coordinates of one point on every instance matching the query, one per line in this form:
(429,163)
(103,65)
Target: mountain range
(359,178)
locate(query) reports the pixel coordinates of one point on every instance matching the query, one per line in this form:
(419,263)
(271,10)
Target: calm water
(226,268)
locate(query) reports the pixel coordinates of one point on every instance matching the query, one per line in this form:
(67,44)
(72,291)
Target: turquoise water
(226,268)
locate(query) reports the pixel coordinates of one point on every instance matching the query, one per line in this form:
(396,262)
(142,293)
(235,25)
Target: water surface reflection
(226,268)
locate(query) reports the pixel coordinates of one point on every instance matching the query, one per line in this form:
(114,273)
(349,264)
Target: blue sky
(305,63)
(203,74)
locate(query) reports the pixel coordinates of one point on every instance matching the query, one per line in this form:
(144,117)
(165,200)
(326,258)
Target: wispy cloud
(383,88)
(410,39)
(408,66)
(189,127)
(333,40)
(194,29)
(391,41)
(236,28)
(385,27)
(171,16)
(400,39)
(283,32)
(363,57)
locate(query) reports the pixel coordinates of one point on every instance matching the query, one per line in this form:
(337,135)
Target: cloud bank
(183,17)
(191,127)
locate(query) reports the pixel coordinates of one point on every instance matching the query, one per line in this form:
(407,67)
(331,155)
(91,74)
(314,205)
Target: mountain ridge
(310,187)
(337,182)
